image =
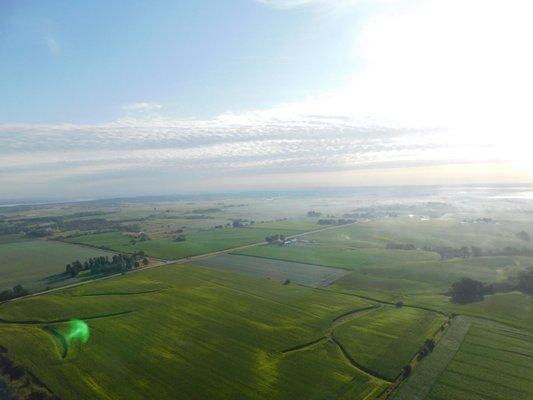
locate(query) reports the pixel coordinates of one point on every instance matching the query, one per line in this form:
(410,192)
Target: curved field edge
(387,339)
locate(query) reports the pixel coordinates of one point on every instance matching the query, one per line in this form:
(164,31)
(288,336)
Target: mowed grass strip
(386,339)
(424,377)
(209,334)
(493,362)
(276,270)
(37,264)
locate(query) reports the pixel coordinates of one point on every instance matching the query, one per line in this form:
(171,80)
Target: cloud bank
(443,85)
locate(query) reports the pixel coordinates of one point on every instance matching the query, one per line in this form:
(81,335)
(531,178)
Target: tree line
(333,221)
(17,291)
(468,290)
(448,252)
(106,265)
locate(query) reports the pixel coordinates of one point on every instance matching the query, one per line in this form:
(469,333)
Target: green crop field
(276,270)
(476,359)
(386,339)
(390,274)
(37,264)
(196,243)
(434,232)
(187,332)
(340,257)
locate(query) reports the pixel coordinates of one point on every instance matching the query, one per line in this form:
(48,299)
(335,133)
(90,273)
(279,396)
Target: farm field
(209,333)
(340,257)
(37,264)
(433,232)
(335,314)
(391,273)
(386,339)
(275,270)
(484,360)
(196,243)
(513,308)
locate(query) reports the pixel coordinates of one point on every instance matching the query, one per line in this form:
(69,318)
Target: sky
(126,98)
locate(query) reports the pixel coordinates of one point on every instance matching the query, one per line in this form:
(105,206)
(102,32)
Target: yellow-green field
(191,332)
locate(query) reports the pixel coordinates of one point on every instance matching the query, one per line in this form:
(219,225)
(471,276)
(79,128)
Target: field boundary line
(59,321)
(389,303)
(357,365)
(304,345)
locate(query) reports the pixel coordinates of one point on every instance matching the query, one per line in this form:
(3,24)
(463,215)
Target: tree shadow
(56,278)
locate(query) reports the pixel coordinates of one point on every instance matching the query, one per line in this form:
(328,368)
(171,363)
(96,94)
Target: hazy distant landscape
(356,294)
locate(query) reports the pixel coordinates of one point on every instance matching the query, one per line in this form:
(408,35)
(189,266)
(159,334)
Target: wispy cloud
(52,44)
(249,144)
(142,106)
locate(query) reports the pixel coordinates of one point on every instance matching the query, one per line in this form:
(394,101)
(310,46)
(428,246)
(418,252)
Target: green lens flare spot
(77,330)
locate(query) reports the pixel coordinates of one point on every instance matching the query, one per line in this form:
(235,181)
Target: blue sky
(124,98)
(83,61)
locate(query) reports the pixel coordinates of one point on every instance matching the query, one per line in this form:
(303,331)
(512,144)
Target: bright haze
(103,98)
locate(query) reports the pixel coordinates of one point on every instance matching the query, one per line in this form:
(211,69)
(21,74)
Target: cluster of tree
(468,290)
(89,224)
(406,371)
(315,214)
(473,251)
(401,246)
(333,221)
(197,216)
(426,348)
(143,236)
(36,227)
(106,265)
(447,252)
(277,238)
(478,220)
(239,223)
(524,281)
(7,228)
(363,215)
(180,238)
(20,383)
(38,232)
(17,291)
(206,210)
